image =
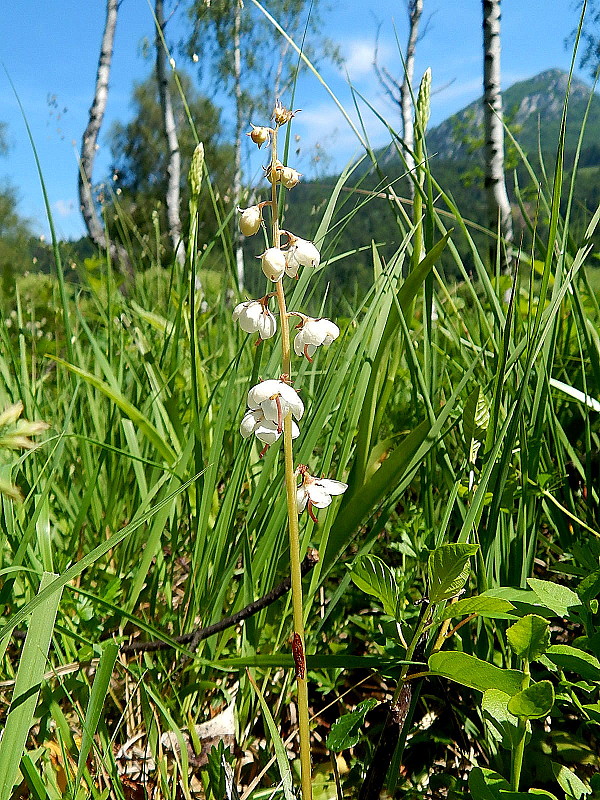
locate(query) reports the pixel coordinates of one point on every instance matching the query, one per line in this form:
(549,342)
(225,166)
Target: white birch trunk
(415,9)
(495,184)
(237,172)
(172,199)
(89,141)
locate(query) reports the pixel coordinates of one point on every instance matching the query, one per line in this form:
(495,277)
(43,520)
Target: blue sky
(50,50)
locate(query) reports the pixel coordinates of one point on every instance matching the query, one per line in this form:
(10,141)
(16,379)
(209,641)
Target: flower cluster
(271,401)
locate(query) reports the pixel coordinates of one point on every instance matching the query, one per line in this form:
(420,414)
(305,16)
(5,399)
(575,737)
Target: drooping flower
(254,316)
(251,219)
(312,334)
(300,253)
(259,135)
(273,263)
(267,431)
(282,115)
(276,399)
(317,492)
(290,177)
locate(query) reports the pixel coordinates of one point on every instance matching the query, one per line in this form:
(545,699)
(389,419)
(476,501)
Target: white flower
(250,220)
(276,399)
(300,253)
(255,317)
(273,263)
(290,177)
(314,333)
(317,492)
(254,422)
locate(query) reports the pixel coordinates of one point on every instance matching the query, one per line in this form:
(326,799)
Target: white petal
(273,263)
(331,486)
(272,412)
(301,498)
(267,432)
(250,420)
(295,430)
(292,400)
(318,495)
(306,253)
(299,344)
(291,264)
(263,391)
(267,325)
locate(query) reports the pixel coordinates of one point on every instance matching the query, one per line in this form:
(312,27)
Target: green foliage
(345,733)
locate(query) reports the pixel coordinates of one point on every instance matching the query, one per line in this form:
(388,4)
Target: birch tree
(173,195)
(89,142)
(499,212)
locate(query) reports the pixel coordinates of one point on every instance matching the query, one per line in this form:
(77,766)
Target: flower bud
(273,263)
(273,172)
(254,317)
(259,135)
(282,115)
(289,177)
(300,253)
(250,220)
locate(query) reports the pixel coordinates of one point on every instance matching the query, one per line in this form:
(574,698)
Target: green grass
(158,518)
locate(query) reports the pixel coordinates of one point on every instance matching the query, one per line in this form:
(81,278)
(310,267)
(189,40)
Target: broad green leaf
(574,660)
(32,666)
(569,782)
(593,709)
(283,763)
(485,784)
(345,732)
(503,725)
(490,607)
(533,702)
(589,588)
(529,637)
(471,671)
(556,597)
(448,570)
(374,577)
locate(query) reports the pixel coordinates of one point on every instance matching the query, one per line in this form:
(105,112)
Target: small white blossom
(300,253)
(276,399)
(317,492)
(254,422)
(314,333)
(254,316)
(289,177)
(250,220)
(273,263)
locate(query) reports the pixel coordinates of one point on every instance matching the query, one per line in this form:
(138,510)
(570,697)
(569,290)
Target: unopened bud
(259,135)
(289,177)
(423,103)
(195,173)
(273,172)
(250,220)
(273,263)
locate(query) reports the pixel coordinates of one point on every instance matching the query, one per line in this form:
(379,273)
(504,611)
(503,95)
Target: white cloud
(64,208)
(359,56)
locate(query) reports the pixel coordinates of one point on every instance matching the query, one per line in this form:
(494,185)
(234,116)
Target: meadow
(450,593)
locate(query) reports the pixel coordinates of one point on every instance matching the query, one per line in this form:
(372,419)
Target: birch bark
(495,184)
(172,198)
(415,9)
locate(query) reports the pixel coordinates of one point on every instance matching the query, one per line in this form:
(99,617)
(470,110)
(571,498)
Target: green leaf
(533,702)
(575,660)
(489,607)
(556,597)
(345,732)
(374,577)
(589,588)
(485,784)
(529,637)
(476,416)
(448,570)
(569,782)
(32,666)
(502,725)
(471,671)
(96,704)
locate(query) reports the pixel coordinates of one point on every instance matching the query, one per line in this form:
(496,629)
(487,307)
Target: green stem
(517,753)
(292,511)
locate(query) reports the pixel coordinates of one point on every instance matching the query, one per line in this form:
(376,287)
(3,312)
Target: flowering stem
(292,510)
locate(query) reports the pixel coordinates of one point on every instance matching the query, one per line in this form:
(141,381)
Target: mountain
(532,109)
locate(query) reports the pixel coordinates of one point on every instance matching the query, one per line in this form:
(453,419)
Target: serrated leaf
(529,637)
(345,732)
(569,782)
(489,607)
(556,597)
(533,702)
(448,570)
(374,577)
(475,673)
(575,660)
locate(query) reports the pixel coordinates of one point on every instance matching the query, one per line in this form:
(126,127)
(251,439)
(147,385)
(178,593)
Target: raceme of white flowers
(270,401)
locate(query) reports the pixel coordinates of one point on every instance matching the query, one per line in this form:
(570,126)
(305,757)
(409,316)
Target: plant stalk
(292,511)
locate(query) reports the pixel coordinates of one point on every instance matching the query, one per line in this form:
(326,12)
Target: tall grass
(157,518)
